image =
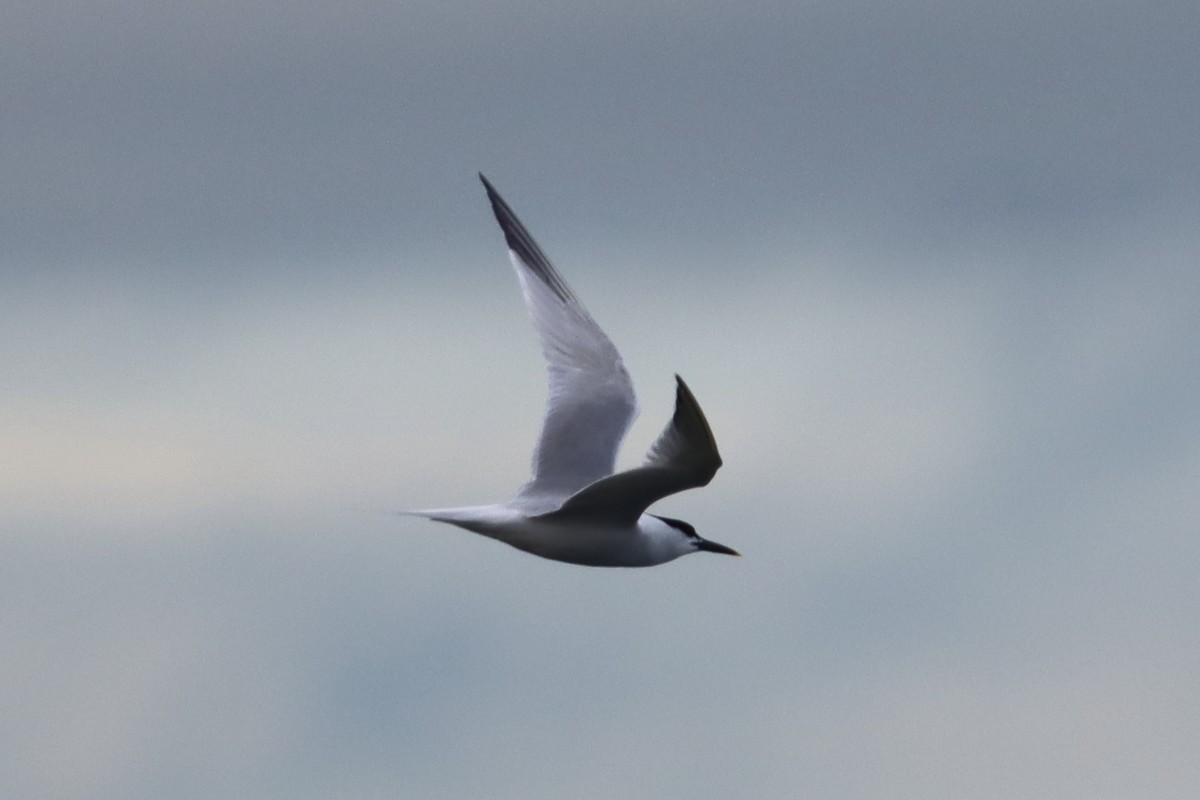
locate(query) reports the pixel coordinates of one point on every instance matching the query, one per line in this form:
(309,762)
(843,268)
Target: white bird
(575,508)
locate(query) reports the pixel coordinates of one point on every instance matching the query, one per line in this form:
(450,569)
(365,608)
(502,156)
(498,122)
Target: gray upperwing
(684,456)
(686,442)
(591,401)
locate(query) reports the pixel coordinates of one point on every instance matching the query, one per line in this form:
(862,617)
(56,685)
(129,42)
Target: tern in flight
(576,509)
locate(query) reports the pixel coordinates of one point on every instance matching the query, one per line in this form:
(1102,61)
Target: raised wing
(684,456)
(591,402)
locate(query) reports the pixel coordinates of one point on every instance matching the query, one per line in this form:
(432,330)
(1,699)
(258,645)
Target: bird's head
(691,542)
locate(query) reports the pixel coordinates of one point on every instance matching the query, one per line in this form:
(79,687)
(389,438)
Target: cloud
(930,270)
(161,132)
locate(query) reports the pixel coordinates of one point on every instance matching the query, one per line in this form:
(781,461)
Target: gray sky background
(930,267)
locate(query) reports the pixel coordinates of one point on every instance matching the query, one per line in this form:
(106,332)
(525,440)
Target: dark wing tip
(521,242)
(491,190)
(504,215)
(684,399)
(690,418)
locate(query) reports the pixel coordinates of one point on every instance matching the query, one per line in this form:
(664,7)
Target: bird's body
(593,543)
(575,509)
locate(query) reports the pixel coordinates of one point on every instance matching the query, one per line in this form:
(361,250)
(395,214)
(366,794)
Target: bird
(575,508)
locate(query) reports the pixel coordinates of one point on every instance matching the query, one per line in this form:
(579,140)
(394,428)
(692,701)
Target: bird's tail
(455,516)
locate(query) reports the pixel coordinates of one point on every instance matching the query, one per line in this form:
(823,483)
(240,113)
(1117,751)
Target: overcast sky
(931,268)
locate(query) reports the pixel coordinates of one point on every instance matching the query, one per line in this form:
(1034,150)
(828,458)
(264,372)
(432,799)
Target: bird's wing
(591,402)
(684,456)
